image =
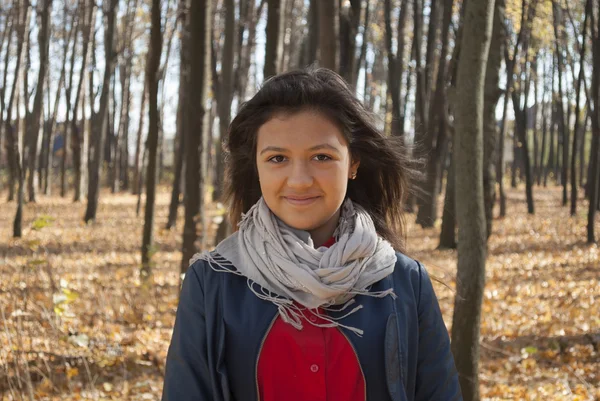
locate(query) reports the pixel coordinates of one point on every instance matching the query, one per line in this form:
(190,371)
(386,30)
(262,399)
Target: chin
(300,223)
(306,218)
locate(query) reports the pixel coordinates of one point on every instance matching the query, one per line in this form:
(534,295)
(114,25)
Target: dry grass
(76,321)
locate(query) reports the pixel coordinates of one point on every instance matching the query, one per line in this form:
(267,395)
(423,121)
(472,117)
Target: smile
(301,201)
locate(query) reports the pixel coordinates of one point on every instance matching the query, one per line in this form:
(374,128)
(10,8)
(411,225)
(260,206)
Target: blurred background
(111,118)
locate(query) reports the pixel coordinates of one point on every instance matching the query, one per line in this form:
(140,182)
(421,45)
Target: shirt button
(313,319)
(314,368)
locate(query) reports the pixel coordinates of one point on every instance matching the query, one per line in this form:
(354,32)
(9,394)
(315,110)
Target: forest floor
(77,322)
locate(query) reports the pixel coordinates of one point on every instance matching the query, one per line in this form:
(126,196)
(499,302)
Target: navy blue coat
(221,325)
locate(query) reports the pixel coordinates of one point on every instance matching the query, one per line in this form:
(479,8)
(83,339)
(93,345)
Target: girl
(311,298)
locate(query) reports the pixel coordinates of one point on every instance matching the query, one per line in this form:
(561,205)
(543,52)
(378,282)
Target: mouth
(301,200)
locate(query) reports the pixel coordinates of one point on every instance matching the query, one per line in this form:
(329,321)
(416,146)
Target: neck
(321,234)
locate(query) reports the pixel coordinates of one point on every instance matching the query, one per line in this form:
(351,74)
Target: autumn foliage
(77,322)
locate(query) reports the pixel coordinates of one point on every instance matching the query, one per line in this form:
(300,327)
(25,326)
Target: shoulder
(406,264)
(205,271)
(407,267)
(196,269)
(409,274)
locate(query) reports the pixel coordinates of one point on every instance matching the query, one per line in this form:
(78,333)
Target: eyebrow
(317,147)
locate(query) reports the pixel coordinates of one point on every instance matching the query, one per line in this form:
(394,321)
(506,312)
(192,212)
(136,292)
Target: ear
(354,164)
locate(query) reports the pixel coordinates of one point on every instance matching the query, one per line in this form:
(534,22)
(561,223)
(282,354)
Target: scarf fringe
(289,311)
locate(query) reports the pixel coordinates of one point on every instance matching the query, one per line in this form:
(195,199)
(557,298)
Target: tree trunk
(125,76)
(328,34)
(410,201)
(161,145)
(82,132)
(534,123)
(396,63)
(44,159)
(24,14)
(68,94)
(577,115)
(111,141)
(448,232)
(44,142)
(544,111)
(502,135)
(294,27)
(594,175)
(363,45)
(177,181)
(409,76)
(420,96)
(162,74)
(138,144)
(521,127)
(581,150)
(154,53)
(9,157)
(124,150)
(562,125)
(140,182)
(491,96)
(246,51)
(72,33)
(87,145)
(208,166)
(420,108)
(178,166)
(550,162)
(182,118)
(435,139)
(313,33)
(470,213)
(225,95)
(432,43)
(200,36)
(115,138)
(516,162)
(274,46)
(541,165)
(25,97)
(20,132)
(367,84)
(527,15)
(521,130)
(559,140)
(97,139)
(78,146)
(349,20)
(33,129)
(6,29)
(223,231)
(121,180)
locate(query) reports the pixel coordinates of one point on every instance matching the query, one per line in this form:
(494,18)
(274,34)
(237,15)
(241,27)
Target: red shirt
(314,363)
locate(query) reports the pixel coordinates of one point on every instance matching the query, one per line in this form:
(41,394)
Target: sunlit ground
(76,321)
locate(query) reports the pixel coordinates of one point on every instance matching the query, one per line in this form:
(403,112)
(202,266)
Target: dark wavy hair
(385,168)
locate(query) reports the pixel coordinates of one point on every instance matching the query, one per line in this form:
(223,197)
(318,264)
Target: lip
(301,200)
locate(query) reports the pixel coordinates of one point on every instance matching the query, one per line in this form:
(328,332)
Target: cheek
(333,183)
(269,180)
(336,176)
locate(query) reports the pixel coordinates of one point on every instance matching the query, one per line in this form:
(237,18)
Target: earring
(354,175)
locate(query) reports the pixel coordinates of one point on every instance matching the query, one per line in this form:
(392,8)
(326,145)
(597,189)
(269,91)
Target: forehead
(302,129)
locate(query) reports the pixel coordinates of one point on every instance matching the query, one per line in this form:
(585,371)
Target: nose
(300,176)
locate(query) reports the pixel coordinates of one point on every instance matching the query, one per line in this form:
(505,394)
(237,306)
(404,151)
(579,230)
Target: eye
(322,158)
(276,159)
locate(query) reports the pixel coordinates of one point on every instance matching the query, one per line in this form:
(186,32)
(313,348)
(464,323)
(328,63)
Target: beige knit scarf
(298,278)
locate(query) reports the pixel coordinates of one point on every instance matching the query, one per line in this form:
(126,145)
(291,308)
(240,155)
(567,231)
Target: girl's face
(304,164)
